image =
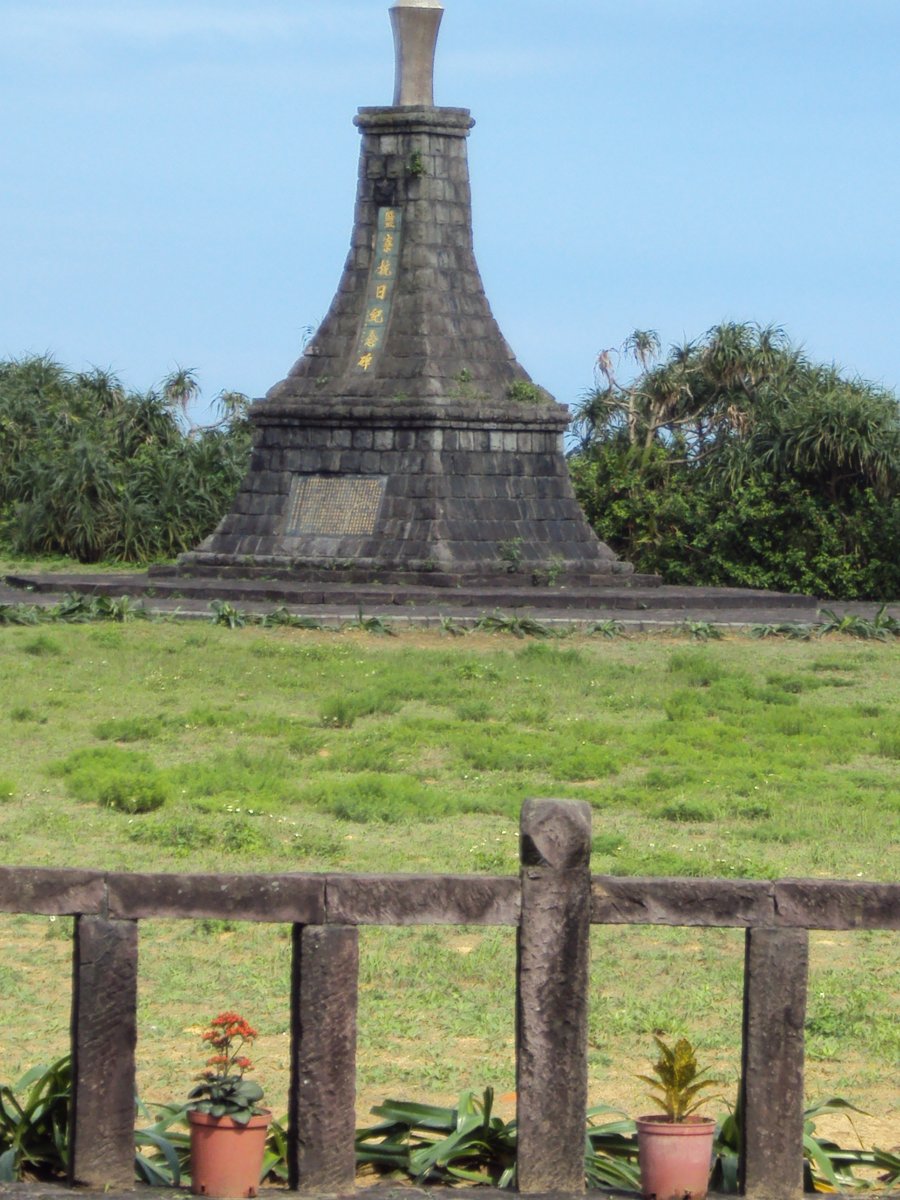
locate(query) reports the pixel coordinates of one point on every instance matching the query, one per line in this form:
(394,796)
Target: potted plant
(228,1127)
(675,1146)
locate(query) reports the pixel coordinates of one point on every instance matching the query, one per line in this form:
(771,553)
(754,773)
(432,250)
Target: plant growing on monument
(523,391)
(510,553)
(548,575)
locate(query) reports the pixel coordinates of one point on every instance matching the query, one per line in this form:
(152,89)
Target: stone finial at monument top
(415,24)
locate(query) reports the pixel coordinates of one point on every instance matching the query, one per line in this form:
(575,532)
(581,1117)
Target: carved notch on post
(415,24)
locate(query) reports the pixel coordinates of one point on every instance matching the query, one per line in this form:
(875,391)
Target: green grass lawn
(275,750)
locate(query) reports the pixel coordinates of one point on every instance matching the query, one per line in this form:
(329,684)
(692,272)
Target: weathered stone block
(551,1000)
(772,1096)
(323,1067)
(104,1024)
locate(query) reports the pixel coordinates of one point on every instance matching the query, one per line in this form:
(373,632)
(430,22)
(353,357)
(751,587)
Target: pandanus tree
(741,421)
(92,470)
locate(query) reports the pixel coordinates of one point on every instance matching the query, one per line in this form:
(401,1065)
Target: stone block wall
(469,491)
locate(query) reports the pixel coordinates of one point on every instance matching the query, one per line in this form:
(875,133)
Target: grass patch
(129,729)
(689,811)
(372,798)
(119,779)
(290,750)
(41,646)
(887,742)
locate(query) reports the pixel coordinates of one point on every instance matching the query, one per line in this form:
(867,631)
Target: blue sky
(178,177)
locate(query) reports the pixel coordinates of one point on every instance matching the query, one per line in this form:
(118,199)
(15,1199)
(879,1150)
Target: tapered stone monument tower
(407,444)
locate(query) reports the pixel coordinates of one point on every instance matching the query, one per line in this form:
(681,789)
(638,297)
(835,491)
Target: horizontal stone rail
(321,899)
(552,903)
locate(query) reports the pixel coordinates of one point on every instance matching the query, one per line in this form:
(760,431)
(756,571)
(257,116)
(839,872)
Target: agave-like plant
(827,1167)
(34,1125)
(162,1154)
(882,627)
(520,627)
(468,1144)
(436,1144)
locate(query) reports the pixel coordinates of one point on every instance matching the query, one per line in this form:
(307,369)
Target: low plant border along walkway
(552,903)
(331,602)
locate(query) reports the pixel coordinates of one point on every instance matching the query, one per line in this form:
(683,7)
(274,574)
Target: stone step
(297,595)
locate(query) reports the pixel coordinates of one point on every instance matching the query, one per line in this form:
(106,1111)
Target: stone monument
(407,444)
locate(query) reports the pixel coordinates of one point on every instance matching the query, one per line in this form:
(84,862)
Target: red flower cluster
(226,1026)
(228,1033)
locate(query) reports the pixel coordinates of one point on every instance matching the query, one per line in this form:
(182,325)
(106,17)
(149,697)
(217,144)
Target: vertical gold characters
(382,275)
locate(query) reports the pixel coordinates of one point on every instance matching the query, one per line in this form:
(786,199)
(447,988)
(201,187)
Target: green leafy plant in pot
(228,1126)
(675,1146)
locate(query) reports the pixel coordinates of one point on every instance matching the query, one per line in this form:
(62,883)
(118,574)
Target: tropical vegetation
(93,471)
(429,1143)
(735,460)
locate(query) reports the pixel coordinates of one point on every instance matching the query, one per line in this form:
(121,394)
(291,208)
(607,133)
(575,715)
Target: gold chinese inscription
(380,293)
(333,506)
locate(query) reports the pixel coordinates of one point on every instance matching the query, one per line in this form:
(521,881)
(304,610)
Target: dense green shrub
(677,520)
(736,462)
(90,470)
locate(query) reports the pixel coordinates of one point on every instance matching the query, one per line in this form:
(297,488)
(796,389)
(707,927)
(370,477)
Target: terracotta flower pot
(675,1158)
(226,1157)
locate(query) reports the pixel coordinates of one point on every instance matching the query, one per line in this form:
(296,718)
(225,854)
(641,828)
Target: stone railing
(552,902)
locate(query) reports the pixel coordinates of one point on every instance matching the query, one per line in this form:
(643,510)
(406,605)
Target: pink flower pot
(226,1157)
(675,1159)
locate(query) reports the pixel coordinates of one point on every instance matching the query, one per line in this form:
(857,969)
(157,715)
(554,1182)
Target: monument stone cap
(415,24)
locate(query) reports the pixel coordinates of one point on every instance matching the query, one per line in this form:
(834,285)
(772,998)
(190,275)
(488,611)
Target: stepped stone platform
(411,604)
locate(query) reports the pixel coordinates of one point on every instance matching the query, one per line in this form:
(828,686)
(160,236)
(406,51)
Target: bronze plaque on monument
(334,506)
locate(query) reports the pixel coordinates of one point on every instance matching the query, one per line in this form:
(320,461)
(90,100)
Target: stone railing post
(104,1034)
(775,974)
(322,1116)
(552,994)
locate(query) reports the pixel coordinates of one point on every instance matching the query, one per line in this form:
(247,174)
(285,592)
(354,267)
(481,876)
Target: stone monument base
(443,492)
